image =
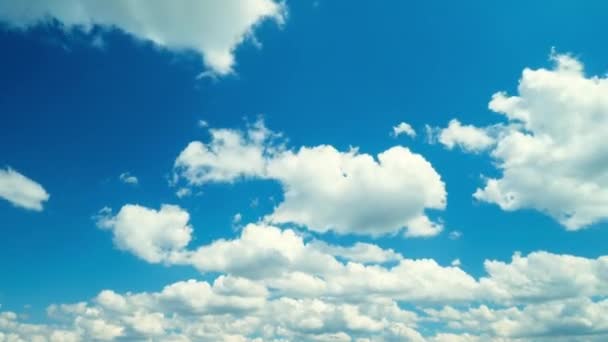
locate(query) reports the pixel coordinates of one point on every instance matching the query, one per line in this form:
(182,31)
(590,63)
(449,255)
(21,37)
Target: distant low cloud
(21,191)
(211,28)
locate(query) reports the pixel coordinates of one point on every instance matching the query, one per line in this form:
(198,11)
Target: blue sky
(88,95)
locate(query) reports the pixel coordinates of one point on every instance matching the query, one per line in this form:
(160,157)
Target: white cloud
(545,276)
(273,285)
(548,152)
(212,28)
(467,137)
(230,155)
(404,128)
(153,235)
(324,189)
(359,252)
(127,178)
(353,193)
(578,319)
(21,191)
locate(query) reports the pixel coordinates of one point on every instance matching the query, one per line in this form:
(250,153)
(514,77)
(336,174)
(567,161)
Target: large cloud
(550,152)
(289,263)
(21,191)
(324,189)
(276,284)
(364,303)
(212,28)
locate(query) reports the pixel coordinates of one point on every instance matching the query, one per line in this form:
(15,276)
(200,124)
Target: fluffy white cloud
(324,189)
(230,155)
(349,192)
(467,137)
(549,151)
(128,178)
(153,235)
(21,191)
(212,28)
(404,128)
(545,276)
(577,319)
(359,303)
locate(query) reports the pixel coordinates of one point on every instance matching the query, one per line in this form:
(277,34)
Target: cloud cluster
(549,151)
(276,285)
(211,28)
(21,191)
(324,189)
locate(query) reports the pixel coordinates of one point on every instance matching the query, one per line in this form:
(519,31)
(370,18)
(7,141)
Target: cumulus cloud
(21,191)
(211,28)
(545,276)
(230,155)
(356,303)
(578,319)
(404,128)
(548,151)
(324,189)
(350,192)
(467,137)
(153,235)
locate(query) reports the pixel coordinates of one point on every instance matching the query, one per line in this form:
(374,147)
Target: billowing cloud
(21,191)
(153,235)
(324,189)
(548,151)
(545,276)
(212,28)
(350,192)
(521,300)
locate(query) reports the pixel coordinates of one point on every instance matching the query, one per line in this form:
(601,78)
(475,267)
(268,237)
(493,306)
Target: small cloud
(203,123)
(455,235)
(127,178)
(254,203)
(237,218)
(21,191)
(183,192)
(455,263)
(404,128)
